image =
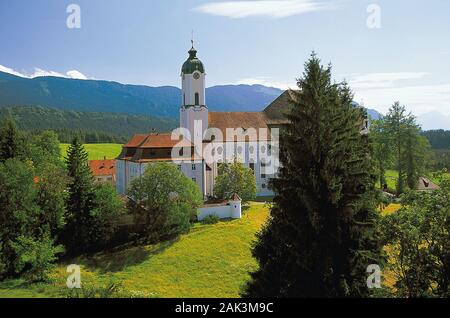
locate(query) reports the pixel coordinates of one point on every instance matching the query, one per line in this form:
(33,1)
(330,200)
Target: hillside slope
(104,96)
(209,261)
(40,118)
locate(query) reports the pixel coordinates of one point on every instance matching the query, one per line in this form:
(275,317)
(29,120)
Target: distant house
(426,184)
(104,171)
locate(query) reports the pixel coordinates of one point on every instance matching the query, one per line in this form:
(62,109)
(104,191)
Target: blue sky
(242,41)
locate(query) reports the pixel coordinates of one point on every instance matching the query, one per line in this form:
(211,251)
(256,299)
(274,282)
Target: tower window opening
(197,99)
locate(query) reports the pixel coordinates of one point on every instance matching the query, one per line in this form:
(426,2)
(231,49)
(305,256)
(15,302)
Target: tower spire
(192,52)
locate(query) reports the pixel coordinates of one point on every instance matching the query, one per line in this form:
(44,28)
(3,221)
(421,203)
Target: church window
(193,167)
(197,99)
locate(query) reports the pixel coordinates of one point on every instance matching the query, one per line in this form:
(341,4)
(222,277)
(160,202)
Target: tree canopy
(164,201)
(235,178)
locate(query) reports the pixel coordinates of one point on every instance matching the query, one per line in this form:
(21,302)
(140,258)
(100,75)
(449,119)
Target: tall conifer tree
(321,235)
(80,199)
(8,140)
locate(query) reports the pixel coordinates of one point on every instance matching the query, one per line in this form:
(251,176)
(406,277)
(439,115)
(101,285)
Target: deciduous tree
(164,201)
(235,178)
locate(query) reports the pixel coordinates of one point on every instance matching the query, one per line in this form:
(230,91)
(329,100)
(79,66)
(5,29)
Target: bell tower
(193,110)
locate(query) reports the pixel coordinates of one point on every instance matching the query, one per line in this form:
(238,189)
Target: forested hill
(96,125)
(105,96)
(439,139)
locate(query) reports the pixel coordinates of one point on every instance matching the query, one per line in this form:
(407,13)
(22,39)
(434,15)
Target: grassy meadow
(209,261)
(97,151)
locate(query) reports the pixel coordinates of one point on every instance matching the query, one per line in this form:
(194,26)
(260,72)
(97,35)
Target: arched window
(197,99)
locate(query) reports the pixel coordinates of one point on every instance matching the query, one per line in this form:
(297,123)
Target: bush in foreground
(164,201)
(418,236)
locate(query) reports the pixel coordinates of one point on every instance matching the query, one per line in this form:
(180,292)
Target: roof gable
(155,141)
(103,167)
(277,110)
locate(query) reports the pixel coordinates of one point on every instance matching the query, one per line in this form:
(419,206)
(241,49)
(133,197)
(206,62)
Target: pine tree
(80,199)
(321,235)
(409,148)
(8,140)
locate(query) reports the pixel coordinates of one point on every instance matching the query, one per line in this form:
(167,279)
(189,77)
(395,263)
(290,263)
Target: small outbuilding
(230,209)
(425,184)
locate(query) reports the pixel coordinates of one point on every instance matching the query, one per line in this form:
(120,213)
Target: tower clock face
(196,75)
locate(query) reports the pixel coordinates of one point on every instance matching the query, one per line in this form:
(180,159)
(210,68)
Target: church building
(196,123)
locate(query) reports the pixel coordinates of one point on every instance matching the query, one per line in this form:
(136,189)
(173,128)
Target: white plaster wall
(235,209)
(222,212)
(120,177)
(244,156)
(190,86)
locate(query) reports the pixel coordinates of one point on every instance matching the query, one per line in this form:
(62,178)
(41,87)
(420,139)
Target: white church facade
(245,136)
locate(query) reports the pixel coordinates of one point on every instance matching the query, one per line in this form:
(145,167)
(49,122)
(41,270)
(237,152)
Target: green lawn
(391,179)
(97,151)
(209,261)
(392,176)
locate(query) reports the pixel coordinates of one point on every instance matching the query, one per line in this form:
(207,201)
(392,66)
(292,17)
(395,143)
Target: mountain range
(111,97)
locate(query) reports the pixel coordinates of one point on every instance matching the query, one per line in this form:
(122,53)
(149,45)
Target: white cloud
(267,81)
(38,72)
(419,99)
(380,80)
(274,9)
(381,90)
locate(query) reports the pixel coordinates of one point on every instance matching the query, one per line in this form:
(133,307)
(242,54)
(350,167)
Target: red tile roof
(103,167)
(135,141)
(235,120)
(155,141)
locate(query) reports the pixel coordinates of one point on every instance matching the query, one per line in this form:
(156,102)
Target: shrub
(418,235)
(35,258)
(112,290)
(211,219)
(107,208)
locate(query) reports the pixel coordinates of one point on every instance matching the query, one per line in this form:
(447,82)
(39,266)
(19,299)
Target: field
(392,176)
(210,261)
(97,151)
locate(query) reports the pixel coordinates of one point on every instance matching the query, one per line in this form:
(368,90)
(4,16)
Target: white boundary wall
(230,211)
